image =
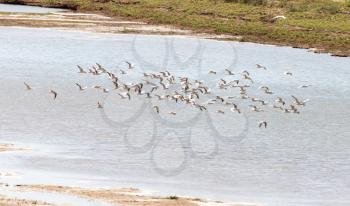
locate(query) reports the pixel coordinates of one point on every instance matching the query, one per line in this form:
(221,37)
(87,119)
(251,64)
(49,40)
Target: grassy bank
(324,24)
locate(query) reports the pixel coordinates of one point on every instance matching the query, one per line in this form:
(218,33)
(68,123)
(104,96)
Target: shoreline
(15,193)
(130,24)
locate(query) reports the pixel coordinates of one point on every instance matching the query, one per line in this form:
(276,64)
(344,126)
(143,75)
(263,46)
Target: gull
(300,102)
(97,87)
(235,108)
(280,100)
(54,94)
(81,70)
(264,88)
(130,66)
(305,86)
(125,95)
(172,113)
(277,107)
(288,73)
(99,105)
(212,72)
(259,66)
(220,111)
(80,87)
(262,123)
(28,87)
(105,90)
(229,72)
(255,108)
(245,76)
(122,71)
(245,72)
(156,108)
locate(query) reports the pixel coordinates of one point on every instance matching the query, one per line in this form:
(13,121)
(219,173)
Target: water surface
(298,160)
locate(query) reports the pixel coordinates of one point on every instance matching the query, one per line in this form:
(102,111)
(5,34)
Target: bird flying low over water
(99,105)
(262,123)
(81,70)
(81,88)
(28,87)
(227,93)
(156,108)
(54,94)
(130,65)
(259,66)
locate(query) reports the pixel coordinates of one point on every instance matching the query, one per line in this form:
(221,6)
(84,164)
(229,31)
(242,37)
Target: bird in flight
(130,66)
(156,108)
(81,70)
(262,123)
(288,73)
(80,87)
(54,94)
(259,66)
(28,87)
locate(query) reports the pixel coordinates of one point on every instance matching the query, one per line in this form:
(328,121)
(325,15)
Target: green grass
(310,23)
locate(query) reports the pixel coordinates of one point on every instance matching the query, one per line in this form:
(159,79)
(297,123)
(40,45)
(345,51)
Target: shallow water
(27,9)
(298,160)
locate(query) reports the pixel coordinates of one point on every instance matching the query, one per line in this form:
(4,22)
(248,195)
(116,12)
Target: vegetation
(324,24)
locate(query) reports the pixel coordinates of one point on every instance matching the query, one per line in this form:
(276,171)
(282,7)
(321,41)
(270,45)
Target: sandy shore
(124,197)
(7,201)
(9,147)
(96,23)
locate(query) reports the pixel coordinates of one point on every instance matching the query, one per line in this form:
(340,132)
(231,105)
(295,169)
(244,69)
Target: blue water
(298,160)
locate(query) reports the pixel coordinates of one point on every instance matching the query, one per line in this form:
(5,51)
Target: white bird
(220,111)
(81,70)
(80,87)
(54,94)
(172,113)
(259,66)
(262,123)
(211,72)
(229,72)
(99,105)
(28,87)
(299,102)
(105,90)
(156,108)
(130,66)
(305,86)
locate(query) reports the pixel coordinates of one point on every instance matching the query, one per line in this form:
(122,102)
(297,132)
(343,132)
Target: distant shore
(323,28)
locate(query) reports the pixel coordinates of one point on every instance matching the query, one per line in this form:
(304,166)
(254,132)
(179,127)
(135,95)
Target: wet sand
(123,196)
(96,23)
(9,147)
(7,201)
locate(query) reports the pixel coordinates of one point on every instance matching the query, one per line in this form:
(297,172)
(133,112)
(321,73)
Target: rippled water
(298,160)
(27,9)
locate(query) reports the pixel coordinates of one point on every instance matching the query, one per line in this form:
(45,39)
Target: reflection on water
(27,9)
(298,160)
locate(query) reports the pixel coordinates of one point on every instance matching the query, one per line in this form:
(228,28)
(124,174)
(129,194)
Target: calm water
(298,160)
(27,9)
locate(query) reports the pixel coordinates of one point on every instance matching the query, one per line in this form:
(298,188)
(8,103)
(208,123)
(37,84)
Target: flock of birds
(165,86)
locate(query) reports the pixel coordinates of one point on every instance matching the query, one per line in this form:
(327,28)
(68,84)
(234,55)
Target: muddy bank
(114,23)
(125,196)
(9,147)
